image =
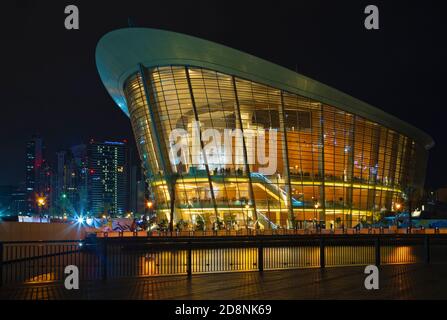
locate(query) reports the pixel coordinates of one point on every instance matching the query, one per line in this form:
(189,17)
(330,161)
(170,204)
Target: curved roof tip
(118,54)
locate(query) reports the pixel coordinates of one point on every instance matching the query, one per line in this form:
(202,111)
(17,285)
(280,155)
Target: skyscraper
(108,178)
(79,153)
(70,196)
(38,173)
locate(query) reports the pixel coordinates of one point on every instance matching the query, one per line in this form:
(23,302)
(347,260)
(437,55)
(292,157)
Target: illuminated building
(107,178)
(38,173)
(339,161)
(71,187)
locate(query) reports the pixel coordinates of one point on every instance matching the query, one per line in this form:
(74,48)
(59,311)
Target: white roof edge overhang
(119,53)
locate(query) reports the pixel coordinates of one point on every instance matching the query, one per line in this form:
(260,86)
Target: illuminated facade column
(321,164)
(383,160)
(374,159)
(162,154)
(395,145)
(285,154)
(350,172)
(244,146)
(205,160)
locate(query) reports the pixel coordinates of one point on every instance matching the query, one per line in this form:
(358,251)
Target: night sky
(50,86)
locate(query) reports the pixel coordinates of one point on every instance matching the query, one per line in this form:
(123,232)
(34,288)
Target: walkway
(396,282)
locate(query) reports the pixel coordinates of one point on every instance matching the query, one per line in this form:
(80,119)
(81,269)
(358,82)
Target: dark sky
(49,83)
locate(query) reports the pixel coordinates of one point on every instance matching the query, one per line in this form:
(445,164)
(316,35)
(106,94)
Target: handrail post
(427,249)
(189,261)
(377,251)
(104,259)
(260,257)
(322,255)
(1,264)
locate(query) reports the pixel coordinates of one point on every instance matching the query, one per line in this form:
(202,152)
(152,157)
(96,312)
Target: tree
(163,225)
(181,225)
(200,223)
(219,224)
(230,220)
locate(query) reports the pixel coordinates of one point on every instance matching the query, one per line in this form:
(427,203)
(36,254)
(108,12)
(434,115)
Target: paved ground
(396,282)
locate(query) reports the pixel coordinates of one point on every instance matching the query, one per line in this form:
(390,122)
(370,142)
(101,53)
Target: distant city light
(41,201)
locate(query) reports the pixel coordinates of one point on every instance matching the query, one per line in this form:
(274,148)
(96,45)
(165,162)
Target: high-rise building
(108,178)
(70,196)
(6,199)
(13,201)
(79,153)
(38,174)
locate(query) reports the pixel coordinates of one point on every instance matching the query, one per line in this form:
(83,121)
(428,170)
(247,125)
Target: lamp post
(397,206)
(41,201)
(316,206)
(148,208)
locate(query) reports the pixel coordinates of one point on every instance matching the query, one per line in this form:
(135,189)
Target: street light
(397,206)
(316,206)
(41,201)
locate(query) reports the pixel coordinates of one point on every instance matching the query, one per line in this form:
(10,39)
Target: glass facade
(298,163)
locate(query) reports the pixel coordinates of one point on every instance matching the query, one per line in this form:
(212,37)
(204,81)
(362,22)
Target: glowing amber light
(149,204)
(41,201)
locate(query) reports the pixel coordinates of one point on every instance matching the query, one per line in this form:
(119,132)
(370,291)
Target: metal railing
(115,258)
(272,232)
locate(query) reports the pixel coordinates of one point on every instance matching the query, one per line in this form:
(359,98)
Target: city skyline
(382,77)
(95,178)
(245,152)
